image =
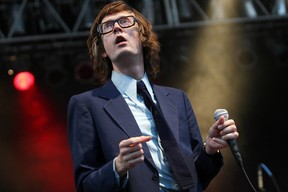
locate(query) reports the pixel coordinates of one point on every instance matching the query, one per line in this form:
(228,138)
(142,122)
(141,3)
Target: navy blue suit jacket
(100,118)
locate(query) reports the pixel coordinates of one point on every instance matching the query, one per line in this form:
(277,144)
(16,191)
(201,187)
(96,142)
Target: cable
(247,177)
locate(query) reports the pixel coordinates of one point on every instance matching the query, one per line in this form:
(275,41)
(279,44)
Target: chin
(127,52)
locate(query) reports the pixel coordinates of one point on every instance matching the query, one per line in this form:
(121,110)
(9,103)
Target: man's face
(121,41)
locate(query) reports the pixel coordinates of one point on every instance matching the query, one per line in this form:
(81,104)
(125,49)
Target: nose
(117,27)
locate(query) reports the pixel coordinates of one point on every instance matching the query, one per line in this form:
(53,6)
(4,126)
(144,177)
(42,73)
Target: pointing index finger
(136,140)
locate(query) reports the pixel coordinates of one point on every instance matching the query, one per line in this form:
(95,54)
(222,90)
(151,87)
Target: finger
(226,123)
(220,142)
(133,162)
(230,129)
(134,141)
(134,155)
(141,139)
(218,123)
(233,135)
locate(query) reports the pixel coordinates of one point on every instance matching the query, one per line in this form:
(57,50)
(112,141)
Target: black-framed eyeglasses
(124,22)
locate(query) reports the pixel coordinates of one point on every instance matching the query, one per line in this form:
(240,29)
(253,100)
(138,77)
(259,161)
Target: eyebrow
(131,14)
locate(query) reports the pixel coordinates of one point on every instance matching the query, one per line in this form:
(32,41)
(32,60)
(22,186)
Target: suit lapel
(118,109)
(168,108)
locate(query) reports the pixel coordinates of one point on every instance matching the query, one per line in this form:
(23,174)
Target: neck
(130,67)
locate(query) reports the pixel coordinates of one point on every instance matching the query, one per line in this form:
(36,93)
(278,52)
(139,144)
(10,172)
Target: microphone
(269,173)
(232,142)
(260,178)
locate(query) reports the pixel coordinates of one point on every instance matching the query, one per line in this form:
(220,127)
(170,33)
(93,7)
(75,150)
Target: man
(115,143)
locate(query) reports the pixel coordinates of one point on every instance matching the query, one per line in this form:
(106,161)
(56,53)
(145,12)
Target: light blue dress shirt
(128,89)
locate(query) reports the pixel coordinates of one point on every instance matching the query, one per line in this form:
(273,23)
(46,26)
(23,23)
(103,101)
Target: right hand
(131,154)
(219,133)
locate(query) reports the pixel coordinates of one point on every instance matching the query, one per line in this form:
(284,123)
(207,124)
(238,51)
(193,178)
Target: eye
(107,26)
(125,21)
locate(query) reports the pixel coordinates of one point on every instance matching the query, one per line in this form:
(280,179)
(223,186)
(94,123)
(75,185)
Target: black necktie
(174,156)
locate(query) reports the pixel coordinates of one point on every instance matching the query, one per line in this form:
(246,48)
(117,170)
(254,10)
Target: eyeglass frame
(114,21)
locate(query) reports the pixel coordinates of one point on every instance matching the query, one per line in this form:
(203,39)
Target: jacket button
(155,177)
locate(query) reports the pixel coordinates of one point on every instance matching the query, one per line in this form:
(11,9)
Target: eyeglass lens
(123,22)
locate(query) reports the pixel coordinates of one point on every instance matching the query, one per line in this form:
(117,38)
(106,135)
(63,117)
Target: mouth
(119,39)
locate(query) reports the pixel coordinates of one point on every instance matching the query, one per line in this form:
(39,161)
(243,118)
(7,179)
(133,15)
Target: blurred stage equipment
(249,8)
(17,26)
(217,9)
(23,80)
(55,74)
(71,17)
(40,26)
(260,175)
(83,69)
(279,7)
(18,67)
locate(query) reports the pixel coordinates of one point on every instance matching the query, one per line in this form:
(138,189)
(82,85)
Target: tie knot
(141,86)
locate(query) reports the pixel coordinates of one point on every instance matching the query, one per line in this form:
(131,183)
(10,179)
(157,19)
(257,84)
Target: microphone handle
(235,151)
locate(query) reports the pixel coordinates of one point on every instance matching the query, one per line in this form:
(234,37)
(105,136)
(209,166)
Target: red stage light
(24,81)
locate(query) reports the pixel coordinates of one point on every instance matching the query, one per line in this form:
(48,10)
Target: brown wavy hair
(151,47)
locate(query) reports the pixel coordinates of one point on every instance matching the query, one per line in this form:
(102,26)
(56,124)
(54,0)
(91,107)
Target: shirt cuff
(121,182)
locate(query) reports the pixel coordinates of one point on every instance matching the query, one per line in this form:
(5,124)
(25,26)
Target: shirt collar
(128,86)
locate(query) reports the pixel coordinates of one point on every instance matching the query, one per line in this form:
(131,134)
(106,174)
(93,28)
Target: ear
(104,54)
(144,44)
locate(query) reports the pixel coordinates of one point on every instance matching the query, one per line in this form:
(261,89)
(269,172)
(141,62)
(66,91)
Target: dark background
(236,62)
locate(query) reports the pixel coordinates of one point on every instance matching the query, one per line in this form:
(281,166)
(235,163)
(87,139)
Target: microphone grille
(220,112)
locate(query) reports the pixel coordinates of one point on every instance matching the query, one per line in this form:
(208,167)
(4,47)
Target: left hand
(131,154)
(219,133)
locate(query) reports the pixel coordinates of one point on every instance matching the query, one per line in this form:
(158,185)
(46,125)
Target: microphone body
(260,178)
(232,142)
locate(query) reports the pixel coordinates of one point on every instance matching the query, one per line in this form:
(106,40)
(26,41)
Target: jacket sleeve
(207,166)
(91,172)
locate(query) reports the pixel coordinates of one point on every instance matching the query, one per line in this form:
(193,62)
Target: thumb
(214,131)
(219,121)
